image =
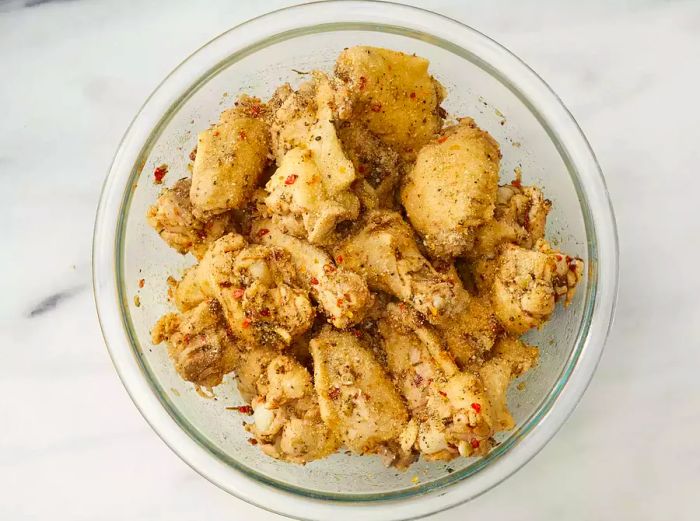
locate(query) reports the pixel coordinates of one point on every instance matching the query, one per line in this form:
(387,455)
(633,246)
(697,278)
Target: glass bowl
(537,134)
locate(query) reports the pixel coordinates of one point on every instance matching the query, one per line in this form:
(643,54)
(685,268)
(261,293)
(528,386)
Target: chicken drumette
(450,410)
(173,218)
(385,252)
(287,421)
(452,188)
(527,284)
(199,343)
(342,294)
(257,288)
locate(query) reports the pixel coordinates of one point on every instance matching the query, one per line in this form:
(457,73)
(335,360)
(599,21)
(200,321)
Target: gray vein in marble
(52,301)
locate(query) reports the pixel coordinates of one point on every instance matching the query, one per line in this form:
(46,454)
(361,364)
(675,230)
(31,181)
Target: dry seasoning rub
(348,206)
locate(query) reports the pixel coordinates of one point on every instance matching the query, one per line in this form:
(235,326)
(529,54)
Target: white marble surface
(72,75)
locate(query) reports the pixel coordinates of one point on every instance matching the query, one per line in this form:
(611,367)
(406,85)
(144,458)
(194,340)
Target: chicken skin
(314,176)
(199,344)
(287,420)
(452,188)
(377,165)
(450,410)
(393,95)
(511,358)
(519,218)
(231,157)
(343,295)
(173,218)
(358,400)
(527,284)
(258,291)
(384,251)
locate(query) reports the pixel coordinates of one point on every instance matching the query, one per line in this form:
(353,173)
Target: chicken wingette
(393,95)
(357,399)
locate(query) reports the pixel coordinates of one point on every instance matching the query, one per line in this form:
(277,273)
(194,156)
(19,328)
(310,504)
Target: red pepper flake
(141,283)
(412,95)
(291,179)
(402,306)
(417,379)
(339,259)
(314,280)
(339,302)
(262,232)
(559,257)
(238,293)
(475,443)
(476,407)
(375,107)
(265,312)
(443,394)
(186,339)
(362,83)
(357,333)
(442,139)
(242,135)
(246,323)
(252,441)
(216,133)
(225,284)
(159,173)
(516,183)
(361,169)
(255,110)
(243,409)
(328,268)
(334,393)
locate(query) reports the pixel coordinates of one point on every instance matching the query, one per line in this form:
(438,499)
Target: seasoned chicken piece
(187,291)
(527,284)
(174,221)
(231,157)
(314,177)
(470,330)
(251,371)
(450,411)
(376,163)
(292,113)
(452,188)
(519,218)
(511,358)
(199,344)
(298,188)
(384,251)
(257,211)
(258,290)
(287,420)
(342,294)
(393,95)
(357,399)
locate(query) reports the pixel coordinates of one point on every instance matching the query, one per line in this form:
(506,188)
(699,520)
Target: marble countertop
(73,74)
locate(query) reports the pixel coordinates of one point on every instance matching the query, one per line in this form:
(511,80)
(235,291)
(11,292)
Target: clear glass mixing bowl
(484,81)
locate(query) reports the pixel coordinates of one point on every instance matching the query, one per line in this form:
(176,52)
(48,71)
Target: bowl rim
(555,118)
